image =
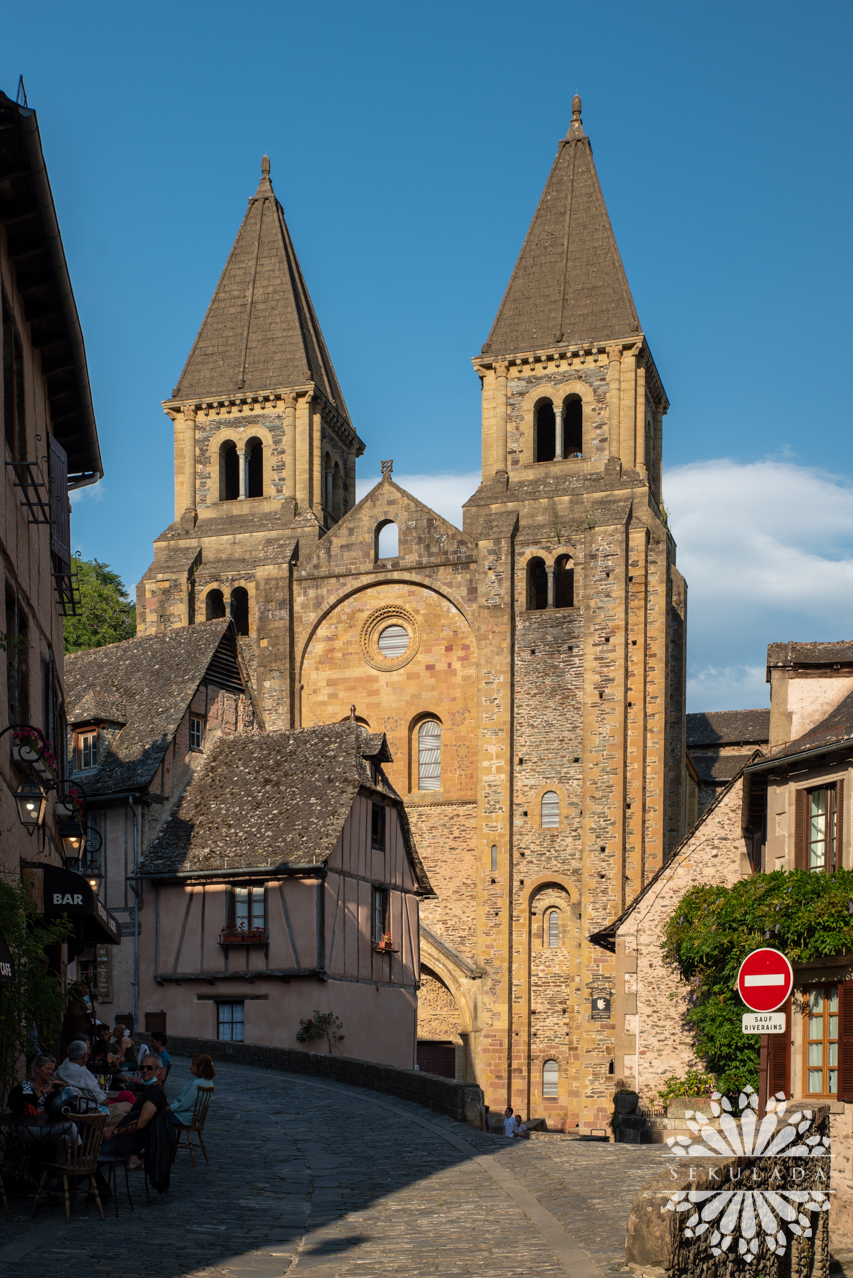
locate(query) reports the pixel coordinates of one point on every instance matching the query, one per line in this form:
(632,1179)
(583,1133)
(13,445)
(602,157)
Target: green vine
(712,930)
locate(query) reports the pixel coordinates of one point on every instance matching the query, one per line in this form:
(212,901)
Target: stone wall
(462,1101)
(661,1044)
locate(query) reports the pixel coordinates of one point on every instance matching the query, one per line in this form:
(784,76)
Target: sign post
(765,981)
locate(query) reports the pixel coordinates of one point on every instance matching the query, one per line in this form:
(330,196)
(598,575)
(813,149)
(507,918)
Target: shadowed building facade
(528,670)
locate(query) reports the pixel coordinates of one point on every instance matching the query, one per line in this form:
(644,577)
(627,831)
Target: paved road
(321,1179)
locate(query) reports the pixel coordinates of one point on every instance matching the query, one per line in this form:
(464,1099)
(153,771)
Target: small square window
(230,1026)
(196,732)
(377,833)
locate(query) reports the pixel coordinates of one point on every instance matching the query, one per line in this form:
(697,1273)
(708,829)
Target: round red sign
(765,980)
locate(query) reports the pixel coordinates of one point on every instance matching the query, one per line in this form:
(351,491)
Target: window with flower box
(379,915)
(248,909)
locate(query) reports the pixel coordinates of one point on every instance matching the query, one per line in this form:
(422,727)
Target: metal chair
(119,1157)
(81,1162)
(204,1096)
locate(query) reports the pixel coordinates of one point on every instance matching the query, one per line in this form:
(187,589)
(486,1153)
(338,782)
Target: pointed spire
(569,284)
(260,332)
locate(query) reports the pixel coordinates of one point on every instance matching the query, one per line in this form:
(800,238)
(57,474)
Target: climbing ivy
(711,931)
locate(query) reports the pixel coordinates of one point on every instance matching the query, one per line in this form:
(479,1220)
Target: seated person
(123,1047)
(101,1054)
(73,1071)
(203,1073)
(158,1045)
(148,1104)
(27,1098)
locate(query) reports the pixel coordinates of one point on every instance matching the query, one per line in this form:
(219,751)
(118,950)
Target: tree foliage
(106,613)
(805,915)
(31,1010)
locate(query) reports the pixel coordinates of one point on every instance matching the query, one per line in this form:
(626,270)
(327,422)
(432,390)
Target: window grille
(553,930)
(550,1080)
(249,909)
(550,810)
(393,641)
(196,733)
(87,750)
(231,1022)
(429,755)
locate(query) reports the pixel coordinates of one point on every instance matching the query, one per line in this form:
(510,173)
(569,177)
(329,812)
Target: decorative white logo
(744,1214)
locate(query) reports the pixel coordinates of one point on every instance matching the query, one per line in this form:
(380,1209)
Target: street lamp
(31,801)
(73,839)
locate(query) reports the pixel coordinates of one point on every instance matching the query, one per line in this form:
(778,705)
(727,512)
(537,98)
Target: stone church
(528,670)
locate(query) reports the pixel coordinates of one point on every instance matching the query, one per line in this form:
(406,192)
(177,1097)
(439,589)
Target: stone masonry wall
(650,1001)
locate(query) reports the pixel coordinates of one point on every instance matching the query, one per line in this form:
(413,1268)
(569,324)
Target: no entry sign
(765,980)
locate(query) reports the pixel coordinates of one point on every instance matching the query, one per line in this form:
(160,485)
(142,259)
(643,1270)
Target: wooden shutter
(838,850)
(800,834)
(779,1058)
(845,1042)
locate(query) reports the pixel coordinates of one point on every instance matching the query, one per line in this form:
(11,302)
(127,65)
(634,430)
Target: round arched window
(429,755)
(551,1080)
(550,810)
(553,921)
(393,641)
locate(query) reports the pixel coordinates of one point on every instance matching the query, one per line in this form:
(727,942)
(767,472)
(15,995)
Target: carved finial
(576,126)
(352,714)
(265,162)
(387,468)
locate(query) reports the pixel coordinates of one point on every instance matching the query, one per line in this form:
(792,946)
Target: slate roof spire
(260,332)
(569,285)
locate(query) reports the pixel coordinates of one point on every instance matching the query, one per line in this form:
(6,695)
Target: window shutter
(800,839)
(845,1042)
(60,513)
(838,851)
(779,1058)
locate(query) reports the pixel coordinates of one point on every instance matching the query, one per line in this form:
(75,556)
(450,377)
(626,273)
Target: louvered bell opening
(550,810)
(429,756)
(551,1080)
(393,642)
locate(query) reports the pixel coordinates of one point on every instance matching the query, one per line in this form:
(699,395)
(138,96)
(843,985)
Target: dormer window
(87,749)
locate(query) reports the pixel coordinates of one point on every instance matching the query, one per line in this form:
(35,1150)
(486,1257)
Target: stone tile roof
(716,769)
(153,680)
(275,798)
(728,727)
(569,285)
(260,332)
(838,652)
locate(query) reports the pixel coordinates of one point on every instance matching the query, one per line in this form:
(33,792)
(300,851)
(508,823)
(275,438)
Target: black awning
(7,963)
(68,893)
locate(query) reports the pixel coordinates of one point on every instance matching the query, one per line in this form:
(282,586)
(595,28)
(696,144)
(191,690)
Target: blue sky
(409,147)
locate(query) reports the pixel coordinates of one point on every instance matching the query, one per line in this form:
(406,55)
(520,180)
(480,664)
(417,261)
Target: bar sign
(763,1022)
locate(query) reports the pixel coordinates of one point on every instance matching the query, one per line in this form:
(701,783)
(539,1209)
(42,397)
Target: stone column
(317,453)
(549,568)
(614,382)
(350,494)
(501,371)
(628,407)
(290,446)
(303,454)
(189,457)
(242,463)
(658,456)
(640,417)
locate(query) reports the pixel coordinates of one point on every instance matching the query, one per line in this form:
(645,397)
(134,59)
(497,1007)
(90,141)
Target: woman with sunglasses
(150,1101)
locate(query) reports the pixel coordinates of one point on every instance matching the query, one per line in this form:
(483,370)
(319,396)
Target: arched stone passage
(439,1027)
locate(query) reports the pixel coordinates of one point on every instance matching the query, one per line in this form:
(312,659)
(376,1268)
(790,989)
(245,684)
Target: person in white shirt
(73,1071)
(509,1122)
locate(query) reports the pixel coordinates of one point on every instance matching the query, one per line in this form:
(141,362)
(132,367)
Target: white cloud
(728,688)
(92,492)
(445,494)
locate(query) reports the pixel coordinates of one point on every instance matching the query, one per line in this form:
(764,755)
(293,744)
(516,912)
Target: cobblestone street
(326,1179)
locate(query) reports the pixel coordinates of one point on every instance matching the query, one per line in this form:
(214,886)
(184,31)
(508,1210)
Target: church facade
(527,670)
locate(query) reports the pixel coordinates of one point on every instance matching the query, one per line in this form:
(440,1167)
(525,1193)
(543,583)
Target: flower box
(25,751)
(243,936)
